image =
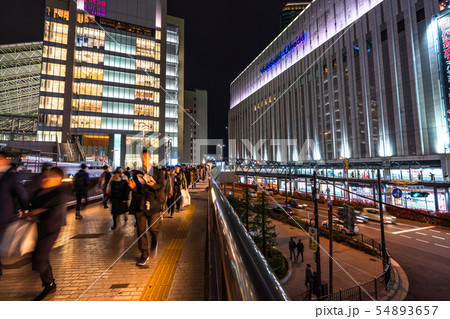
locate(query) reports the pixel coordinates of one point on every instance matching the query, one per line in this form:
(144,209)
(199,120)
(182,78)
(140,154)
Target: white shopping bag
(19,238)
(185,198)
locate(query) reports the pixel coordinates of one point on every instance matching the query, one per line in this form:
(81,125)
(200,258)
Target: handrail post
(375,284)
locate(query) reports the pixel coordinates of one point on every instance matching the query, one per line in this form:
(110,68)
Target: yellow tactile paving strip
(157,289)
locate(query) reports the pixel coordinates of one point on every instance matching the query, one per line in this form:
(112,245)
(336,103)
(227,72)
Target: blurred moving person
(11,192)
(104,180)
(148,218)
(35,184)
(49,205)
(118,192)
(180,183)
(81,185)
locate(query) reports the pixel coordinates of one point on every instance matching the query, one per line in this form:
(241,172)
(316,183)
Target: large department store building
(362,80)
(103,64)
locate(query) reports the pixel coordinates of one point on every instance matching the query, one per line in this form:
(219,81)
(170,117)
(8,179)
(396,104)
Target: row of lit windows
(146,110)
(87,105)
(57,13)
(88,73)
(120,43)
(114,107)
(52,86)
(89,57)
(90,38)
(146,80)
(53,120)
(54,53)
(147,95)
(85,18)
(88,89)
(81,121)
(97,122)
(119,77)
(148,66)
(146,125)
(55,32)
(48,136)
(118,108)
(51,103)
(54,69)
(120,62)
(264,102)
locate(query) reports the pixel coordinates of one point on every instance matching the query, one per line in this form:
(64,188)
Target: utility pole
(285,189)
(330,228)
(380,204)
(316,221)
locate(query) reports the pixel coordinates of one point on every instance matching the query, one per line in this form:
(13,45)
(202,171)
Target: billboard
(444,55)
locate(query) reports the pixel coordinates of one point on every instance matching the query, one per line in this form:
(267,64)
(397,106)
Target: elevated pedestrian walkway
(92,262)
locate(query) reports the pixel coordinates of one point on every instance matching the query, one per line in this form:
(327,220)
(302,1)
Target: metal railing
(368,291)
(237,270)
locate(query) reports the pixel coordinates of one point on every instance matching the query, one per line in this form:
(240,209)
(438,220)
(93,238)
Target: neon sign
(284,53)
(444,49)
(95,7)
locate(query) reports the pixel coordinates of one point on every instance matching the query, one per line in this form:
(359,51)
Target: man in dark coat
(11,192)
(300,248)
(81,185)
(148,216)
(49,204)
(180,183)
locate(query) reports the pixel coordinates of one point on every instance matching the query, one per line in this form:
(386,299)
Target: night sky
(222,38)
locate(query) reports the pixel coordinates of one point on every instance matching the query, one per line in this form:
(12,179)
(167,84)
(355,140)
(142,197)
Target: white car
(374,214)
(339,226)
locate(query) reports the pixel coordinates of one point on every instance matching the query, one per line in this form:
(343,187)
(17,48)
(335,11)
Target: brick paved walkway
(87,248)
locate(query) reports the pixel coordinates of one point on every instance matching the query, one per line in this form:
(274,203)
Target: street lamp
(325,158)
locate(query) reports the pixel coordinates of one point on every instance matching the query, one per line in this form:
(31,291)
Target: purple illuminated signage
(444,50)
(95,7)
(286,51)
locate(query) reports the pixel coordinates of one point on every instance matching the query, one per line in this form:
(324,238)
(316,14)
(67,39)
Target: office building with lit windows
(174,89)
(103,64)
(195,124)
(363,81)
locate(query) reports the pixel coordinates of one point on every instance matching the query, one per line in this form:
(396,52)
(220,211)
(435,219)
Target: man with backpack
(81,186)
(104,179)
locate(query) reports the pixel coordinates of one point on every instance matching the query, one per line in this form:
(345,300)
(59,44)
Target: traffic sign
(397,193)
(313,239)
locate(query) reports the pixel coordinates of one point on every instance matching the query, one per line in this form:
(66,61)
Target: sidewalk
(350,267)
(87,249)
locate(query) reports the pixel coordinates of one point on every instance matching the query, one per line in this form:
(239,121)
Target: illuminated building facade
(103,64)
(368,84)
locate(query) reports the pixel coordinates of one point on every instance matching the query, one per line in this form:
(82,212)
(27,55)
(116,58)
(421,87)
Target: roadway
(422,250)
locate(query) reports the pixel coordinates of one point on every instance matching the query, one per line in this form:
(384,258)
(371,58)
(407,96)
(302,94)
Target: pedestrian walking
(49,205)
(35,184)
(104,181)
(127,173)
(148,217)
(309,280)
(118,192)
(169,192)
(180,183)
(81,186)
(173,193)
(12,193)
(300,248)
(292,247)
